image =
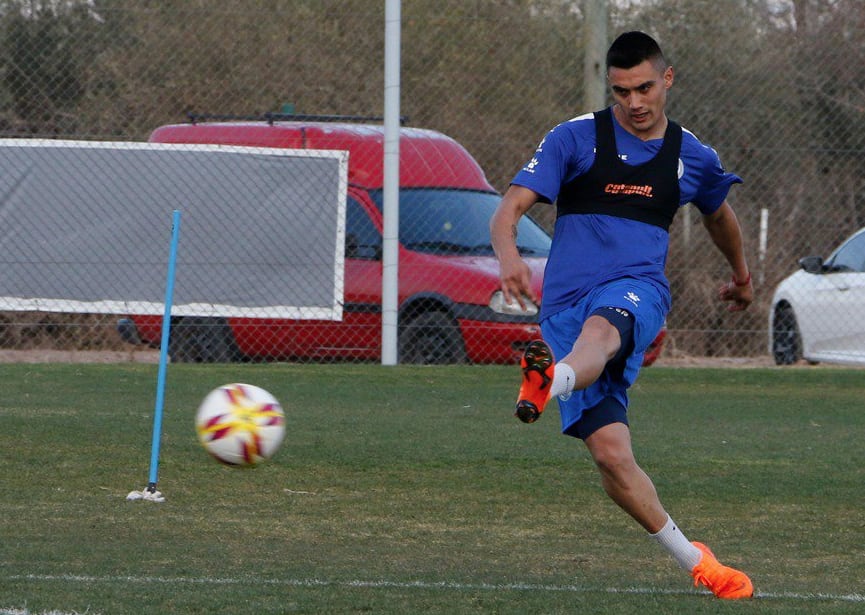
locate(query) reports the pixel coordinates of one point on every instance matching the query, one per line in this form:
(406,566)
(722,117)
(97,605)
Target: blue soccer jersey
(592,249)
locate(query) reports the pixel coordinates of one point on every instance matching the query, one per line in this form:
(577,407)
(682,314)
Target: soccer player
(617,177)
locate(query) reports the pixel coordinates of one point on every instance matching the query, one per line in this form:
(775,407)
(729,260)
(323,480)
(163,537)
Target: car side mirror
(811,264)
(355,249)
(351,246)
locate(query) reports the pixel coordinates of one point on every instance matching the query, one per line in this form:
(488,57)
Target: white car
(816,313)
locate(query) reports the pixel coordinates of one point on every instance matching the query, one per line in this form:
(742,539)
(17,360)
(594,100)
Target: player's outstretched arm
(724,229)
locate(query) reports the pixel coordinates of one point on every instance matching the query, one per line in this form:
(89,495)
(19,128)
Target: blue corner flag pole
(163,355)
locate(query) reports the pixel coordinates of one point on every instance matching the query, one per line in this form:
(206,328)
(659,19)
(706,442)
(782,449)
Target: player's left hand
(739,296)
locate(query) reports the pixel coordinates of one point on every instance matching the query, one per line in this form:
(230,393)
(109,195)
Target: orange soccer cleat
(725,582)
(538,367)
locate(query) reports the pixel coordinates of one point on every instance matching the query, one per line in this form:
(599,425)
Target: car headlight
(500,306)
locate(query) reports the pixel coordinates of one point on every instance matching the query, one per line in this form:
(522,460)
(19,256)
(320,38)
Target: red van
(450,307)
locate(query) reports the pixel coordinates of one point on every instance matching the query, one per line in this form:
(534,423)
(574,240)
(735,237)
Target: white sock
(673,540)
(563,380)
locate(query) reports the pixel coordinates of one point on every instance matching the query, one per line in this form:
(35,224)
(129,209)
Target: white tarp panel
(86,227)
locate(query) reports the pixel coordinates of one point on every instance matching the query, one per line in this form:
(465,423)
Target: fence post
(390,256)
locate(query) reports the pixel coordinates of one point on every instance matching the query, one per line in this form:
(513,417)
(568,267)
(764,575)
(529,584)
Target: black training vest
(648,192)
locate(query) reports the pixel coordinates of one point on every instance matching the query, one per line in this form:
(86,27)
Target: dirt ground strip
(79,356)
(152,356)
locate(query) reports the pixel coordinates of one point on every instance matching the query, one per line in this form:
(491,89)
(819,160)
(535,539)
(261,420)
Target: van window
(362,239)
(450,221)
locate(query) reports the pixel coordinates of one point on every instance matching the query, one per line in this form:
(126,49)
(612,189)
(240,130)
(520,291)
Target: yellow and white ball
(240,424)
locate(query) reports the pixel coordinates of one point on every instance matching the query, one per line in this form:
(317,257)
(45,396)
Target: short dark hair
(632,48)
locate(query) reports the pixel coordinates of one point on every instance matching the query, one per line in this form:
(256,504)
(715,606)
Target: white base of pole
(146,494)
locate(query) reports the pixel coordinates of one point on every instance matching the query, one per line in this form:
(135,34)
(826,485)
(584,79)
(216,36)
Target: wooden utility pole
(594,54)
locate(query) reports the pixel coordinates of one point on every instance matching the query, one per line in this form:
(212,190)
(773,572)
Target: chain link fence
(777,91)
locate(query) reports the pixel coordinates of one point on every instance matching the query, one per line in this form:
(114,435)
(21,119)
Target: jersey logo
(530,167)
(645,191)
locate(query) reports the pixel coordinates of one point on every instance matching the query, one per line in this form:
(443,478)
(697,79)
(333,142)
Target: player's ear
(668,77)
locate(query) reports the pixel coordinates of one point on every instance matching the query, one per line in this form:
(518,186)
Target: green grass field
(414,490)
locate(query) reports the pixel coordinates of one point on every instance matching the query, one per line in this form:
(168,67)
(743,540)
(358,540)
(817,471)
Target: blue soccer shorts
(638,311)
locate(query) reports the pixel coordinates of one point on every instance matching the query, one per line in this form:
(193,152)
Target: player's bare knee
(615,463)
(601,333)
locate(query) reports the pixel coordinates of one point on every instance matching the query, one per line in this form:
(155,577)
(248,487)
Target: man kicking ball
(617,176)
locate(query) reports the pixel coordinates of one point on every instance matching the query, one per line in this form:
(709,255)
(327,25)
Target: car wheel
(786,342)
(202,340)
(431,338)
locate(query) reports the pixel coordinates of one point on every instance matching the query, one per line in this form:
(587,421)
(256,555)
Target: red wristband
(745,283)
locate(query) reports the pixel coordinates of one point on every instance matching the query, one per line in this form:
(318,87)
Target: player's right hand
(516,277)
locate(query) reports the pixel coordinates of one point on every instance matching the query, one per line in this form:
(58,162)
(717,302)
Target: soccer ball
(240,424)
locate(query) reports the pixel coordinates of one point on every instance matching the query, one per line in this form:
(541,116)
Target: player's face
(640,94)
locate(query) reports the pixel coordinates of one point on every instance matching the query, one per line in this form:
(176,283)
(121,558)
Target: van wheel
(202,340)
(786,343)
(431,338)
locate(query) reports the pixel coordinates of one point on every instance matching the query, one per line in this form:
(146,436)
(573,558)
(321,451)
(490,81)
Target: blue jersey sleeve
(713,182)
(566,151)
